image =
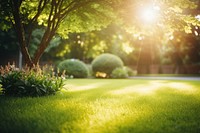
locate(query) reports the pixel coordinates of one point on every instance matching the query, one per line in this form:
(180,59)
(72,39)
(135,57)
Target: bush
(28,82)
(105,64)
(74,68)
(130,71)
(120,72)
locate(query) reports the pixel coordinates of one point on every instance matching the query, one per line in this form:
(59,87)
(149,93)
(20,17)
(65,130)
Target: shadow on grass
(45,114)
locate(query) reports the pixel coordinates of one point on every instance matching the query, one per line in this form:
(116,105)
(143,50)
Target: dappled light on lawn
(182,87)
(153,86)
(106,115)
(73,88)
(120,105)
(149,88)
(107,105)
(139,89)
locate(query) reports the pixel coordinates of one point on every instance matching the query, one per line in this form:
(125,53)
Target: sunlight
(198,17)
(149,14)
(182,87)
(126,48)
(171,37)
(139,89)
(112,112)
(101,74)
(152,87)
(83,87)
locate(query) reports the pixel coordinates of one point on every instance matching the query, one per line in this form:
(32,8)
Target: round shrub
(120,72)
(74,68)
(106,63)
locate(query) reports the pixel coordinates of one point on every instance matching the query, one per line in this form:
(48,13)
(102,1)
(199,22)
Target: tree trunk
(21,34)
(48,35)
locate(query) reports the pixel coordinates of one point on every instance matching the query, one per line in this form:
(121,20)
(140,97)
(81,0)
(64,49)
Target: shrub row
(103,66)
(42,81)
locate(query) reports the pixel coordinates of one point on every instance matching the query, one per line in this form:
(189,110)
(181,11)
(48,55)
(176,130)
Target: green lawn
(169,75)
(107,106)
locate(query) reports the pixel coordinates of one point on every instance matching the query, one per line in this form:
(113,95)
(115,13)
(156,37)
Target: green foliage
(90,16)
(171,16)
(87,46)
(90,70)
(36,36)
(5,10)
(63,17)
(130,71)
(74,14)
(57,16)
(106,63)
(28,82)
(119,73)
(122,72)
(74,67)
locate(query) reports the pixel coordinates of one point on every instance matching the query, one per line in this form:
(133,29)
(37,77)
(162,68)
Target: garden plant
(32,82)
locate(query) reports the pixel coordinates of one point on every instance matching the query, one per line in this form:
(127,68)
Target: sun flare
(150,14)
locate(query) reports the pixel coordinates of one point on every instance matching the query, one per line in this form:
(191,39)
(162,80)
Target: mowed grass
(107,106)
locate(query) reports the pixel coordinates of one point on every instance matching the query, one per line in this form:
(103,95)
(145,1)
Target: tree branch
(74,7)
(56,15)
(41,6)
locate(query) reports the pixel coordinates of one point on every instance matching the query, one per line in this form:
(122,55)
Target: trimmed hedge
(106,63)
(74,68)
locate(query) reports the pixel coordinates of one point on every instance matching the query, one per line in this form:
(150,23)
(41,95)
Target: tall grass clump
(35,81)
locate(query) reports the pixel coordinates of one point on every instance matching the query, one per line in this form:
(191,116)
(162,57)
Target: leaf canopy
(170,15)
(89,15)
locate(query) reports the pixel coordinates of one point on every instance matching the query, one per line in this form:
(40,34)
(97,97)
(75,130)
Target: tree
(86,46)
(149,18)
(66,16)
(57,16)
